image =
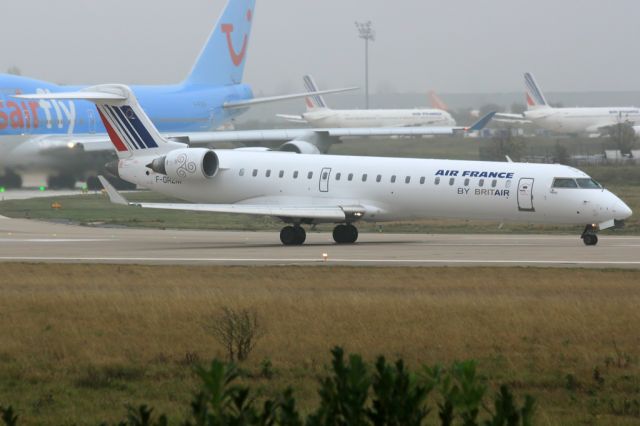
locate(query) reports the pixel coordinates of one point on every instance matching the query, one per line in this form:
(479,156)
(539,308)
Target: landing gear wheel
(293,235)
(589,237)
(11,180)
(345,234)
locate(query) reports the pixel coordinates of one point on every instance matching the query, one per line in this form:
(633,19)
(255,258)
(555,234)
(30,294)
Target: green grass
(79,342)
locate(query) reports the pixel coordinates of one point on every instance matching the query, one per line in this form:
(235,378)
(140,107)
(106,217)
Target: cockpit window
(564,183)
(588,183)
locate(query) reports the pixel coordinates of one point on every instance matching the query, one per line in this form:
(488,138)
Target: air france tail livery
(320,115)
(304,189)
(570,120)
(58,135)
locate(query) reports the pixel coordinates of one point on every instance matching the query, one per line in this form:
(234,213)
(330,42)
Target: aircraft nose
(622,211)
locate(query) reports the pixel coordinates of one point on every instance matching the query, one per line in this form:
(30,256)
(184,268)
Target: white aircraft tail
(131,131)
(436,102)
(314,102)
(535,97)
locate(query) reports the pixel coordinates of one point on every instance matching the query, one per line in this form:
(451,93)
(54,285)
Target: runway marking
(53,240)
(319,260)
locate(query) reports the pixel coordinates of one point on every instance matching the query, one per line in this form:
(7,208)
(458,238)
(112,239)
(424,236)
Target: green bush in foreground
(354,394)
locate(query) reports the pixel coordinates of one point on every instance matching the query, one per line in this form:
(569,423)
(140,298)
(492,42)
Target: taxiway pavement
(23,240)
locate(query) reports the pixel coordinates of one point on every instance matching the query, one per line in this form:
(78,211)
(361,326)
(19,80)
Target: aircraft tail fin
(221,60)
(131,131)
(535,97)
(436,102)
(316,101)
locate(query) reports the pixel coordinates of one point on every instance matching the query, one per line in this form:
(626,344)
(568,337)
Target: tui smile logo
(236,57)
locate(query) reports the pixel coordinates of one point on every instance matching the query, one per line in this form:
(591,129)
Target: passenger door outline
(525,195)
(325,175)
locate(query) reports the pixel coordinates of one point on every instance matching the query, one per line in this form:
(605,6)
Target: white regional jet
(305,189)
(320,115)
(589,120)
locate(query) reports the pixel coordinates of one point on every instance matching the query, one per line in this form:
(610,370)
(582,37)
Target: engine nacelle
(187,164)
(299,147)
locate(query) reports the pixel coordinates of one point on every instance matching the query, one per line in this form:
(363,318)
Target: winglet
(480,124)
(114,195)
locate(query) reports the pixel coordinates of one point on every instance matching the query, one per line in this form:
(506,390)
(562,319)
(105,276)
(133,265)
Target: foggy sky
(452,46)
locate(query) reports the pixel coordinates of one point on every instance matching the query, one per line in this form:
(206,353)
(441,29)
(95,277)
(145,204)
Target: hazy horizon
(452,47)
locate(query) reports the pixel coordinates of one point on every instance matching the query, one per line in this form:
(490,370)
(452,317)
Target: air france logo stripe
(128,138)
(533,90)
(115,127)
(125,123)
(139,126)
(311,87)
(115,139)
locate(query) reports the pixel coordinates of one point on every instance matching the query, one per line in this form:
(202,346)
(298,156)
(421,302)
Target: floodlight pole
(365,32)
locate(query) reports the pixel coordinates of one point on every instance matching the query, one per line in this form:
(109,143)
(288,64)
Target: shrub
(237,330)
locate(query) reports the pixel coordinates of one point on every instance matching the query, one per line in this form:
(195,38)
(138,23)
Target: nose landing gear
(589,237)
(293,235)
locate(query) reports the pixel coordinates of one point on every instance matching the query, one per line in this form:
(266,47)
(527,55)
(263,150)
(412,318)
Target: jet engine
(299,147)
(187,164)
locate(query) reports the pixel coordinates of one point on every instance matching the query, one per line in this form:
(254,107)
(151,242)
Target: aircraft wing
(325,213)
(285,135)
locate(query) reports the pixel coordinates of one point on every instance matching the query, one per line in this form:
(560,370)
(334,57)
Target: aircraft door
(325,174)
(525,195)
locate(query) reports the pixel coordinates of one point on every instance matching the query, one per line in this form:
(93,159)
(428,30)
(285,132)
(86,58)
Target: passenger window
(295,174)
(364,177)
(255,172)
(378,178)
(437,180)
(325,175)
(309,175)
(338,176)
(466,182)
(422,180)
(481,182)
(494,183)
(267,173)
(350,177)
(393,179)
(241,172)
(407,179)
(564,183)
(452,181)
(281,174)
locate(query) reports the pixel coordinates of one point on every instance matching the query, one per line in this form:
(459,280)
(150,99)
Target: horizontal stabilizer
(78,96)
(481,124)
(255,101)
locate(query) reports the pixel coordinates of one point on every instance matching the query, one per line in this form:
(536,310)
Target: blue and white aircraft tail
(221,61)
(535,97)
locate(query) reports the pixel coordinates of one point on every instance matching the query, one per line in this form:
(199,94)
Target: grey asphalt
(35,241)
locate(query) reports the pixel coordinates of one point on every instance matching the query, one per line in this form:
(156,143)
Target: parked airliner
(304,189)
(320,115)
(65,139)
(587,120)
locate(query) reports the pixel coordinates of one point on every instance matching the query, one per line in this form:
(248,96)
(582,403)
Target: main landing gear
(295,235)
(345,234)
(589,237)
